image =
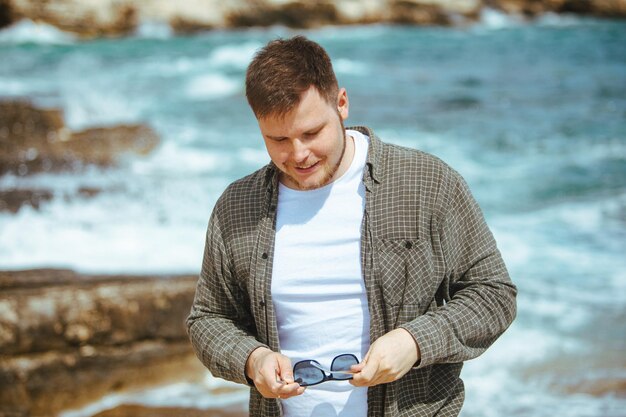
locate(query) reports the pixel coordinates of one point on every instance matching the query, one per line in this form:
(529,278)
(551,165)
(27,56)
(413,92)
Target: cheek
(277,154)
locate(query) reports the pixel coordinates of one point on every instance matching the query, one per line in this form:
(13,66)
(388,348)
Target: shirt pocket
(406,272)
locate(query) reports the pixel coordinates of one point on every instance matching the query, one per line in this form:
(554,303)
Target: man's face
(308,144)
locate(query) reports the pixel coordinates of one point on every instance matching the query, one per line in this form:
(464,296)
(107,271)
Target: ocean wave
(174,161)
(350,67)
(154,30)
(559,20)
(237,56)
(494,19)
(209,86)
(27,31)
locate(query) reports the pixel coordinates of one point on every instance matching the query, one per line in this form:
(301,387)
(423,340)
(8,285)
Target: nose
(300,151)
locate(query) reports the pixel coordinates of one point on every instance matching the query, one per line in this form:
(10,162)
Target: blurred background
(122,122)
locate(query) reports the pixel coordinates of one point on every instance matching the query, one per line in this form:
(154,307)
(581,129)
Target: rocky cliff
(118,17)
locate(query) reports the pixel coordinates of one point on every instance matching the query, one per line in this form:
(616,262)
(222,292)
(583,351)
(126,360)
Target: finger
(366,376)
(284,369)
(290,390)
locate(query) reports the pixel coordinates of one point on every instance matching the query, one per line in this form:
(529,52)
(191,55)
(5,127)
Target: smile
(306,169)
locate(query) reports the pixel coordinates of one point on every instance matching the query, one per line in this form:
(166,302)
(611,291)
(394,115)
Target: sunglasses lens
(306,374)
(343,363)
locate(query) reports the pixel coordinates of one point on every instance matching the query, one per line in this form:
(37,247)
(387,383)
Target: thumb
(358,367)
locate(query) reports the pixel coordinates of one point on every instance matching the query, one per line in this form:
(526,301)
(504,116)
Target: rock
(601,8)
(13,200)
(6,13)
(67,339)
(143,411)
(85,18)
(597,387)
(296,14)
(60,309)
(433,12)
(104,17)
(103,146)
(35,140)
(529,8)
(45,383)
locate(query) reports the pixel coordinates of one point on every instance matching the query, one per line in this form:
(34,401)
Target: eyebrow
(308,131)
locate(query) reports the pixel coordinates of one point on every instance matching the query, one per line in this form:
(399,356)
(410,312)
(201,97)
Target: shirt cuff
(428,337)
(239,357)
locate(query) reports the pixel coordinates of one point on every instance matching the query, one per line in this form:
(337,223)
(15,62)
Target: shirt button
(264,256)
(262,303)
(408,245)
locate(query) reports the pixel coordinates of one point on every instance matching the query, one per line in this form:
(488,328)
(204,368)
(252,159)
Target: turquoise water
(532,115)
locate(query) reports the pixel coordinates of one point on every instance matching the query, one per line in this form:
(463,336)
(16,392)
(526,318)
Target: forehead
(311,111)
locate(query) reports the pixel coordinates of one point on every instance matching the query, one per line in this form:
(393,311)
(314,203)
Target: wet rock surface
(36,140)
(66,339)
(13,200)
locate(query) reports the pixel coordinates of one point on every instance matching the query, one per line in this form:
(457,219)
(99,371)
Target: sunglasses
(309,372)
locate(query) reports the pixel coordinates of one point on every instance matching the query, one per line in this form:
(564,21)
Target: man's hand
(272,374)
(388,359)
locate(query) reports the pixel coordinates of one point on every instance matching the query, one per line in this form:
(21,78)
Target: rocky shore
(95,18)
(34,140)
(67,339)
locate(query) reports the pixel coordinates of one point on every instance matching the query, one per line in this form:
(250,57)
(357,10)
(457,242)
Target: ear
(343,103)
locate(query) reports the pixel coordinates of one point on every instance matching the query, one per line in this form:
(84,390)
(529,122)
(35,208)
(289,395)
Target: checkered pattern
(430,264)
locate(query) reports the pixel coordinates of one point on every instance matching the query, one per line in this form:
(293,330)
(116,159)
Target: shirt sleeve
(478,292)
(219,326)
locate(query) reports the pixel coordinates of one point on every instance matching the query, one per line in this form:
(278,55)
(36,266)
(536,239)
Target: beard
(329,171)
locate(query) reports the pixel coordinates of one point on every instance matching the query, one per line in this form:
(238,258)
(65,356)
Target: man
(342,245)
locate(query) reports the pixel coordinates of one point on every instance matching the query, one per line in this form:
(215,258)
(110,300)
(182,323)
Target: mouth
(305,169)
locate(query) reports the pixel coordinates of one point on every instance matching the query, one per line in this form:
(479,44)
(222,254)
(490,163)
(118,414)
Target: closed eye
(312,134)
(277,138)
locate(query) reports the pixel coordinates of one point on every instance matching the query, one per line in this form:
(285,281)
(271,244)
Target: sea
(531,113)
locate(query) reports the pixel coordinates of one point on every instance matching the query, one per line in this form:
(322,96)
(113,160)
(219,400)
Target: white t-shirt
(317,285)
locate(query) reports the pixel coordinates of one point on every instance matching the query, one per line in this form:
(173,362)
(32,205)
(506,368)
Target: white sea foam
(349,67)
(27,31)
(172,161)
(154,30)
(75,239)
(12,88)
(237,56)
(210,86)
(558,20)
(86,106)
(494,19)
(254,156)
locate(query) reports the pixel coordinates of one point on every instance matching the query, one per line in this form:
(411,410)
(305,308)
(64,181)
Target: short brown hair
(285,68)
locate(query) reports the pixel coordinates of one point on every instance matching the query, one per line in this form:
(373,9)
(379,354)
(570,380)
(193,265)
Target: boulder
(432,12)
(600,8)
(528,8)
(34,140)
(295,14)
(531,8)
(85,18)
(13,200)
(6,13)
(67,339)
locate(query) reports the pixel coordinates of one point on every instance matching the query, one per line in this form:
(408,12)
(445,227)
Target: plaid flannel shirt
(429,261)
